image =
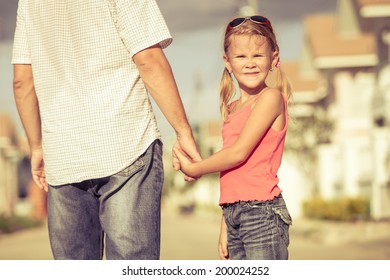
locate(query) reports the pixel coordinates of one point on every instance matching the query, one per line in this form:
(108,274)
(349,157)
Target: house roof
(373,2)
(213,128)
(300,82)
(306,88)
(374,8)
(7,130)
(332,50)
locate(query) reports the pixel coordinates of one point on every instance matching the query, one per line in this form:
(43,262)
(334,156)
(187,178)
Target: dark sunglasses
(256,19)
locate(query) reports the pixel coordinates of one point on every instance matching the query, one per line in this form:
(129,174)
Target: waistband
(261,202)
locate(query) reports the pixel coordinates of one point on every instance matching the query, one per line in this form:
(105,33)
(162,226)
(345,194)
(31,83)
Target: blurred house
(18,193)
(9,157)
(349,51)
(306,110)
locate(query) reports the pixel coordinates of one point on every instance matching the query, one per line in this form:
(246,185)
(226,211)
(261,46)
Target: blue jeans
(258,230)
(124,208)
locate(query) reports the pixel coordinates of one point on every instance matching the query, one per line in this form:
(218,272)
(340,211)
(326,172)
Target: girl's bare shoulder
(271,96)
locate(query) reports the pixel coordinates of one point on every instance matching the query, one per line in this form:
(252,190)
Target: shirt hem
(57,183)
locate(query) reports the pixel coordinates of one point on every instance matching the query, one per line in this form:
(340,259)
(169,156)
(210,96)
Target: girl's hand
(194,155)
(186,165)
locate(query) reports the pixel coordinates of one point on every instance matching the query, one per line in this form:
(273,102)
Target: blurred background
(335,173)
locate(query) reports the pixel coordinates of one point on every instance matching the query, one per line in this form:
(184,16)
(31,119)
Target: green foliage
(9,224)
(306,133)
(342,209)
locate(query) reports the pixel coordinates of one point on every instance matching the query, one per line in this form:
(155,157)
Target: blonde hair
(277,80)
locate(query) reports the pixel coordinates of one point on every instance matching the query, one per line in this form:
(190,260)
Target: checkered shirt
(96,114)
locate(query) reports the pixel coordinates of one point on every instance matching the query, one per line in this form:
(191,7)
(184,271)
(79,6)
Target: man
(82,73)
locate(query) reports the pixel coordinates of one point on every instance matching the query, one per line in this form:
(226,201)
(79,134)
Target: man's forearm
(27,104)
(157,75)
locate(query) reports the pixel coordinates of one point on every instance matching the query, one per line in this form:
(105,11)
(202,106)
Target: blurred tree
(304,136)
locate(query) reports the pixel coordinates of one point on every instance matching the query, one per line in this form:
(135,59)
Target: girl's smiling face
(250,58)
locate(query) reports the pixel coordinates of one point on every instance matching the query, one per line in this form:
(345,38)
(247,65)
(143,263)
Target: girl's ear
(275,59)
(227,63)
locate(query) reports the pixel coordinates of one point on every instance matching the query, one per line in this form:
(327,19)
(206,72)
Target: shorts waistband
(226,205)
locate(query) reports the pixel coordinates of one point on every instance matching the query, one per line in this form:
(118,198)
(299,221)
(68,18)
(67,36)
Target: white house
(351,51)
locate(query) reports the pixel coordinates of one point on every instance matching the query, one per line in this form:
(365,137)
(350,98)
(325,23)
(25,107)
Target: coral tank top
(256,178)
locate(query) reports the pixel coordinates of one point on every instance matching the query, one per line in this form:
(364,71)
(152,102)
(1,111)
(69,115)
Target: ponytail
(227,91)
(278,79)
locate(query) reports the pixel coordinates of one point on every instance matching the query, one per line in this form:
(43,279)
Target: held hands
(38,169)
(185,147)
(185,163)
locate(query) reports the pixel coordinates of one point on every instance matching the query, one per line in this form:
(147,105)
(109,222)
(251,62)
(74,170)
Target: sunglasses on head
(256,19)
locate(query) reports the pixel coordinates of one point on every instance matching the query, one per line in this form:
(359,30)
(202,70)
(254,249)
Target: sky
(196,52)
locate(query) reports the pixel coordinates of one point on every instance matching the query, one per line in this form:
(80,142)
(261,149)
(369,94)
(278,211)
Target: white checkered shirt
(96,114)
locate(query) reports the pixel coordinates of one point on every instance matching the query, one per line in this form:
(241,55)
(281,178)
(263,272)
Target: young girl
(255,219)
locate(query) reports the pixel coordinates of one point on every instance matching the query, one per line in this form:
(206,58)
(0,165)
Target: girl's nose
(250,64)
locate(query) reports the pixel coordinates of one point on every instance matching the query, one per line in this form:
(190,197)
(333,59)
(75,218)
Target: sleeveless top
(256,178)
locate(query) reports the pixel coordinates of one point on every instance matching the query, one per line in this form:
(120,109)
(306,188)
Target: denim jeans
(258,230)
(123,210)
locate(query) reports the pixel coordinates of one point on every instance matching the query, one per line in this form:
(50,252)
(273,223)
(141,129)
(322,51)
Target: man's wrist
(185,132)
(35,148)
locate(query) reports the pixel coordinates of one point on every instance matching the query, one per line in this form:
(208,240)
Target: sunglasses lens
(236,22)
(259,19)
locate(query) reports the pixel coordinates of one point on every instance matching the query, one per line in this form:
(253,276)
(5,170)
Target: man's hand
(187,146)
(38,169)
(222,242)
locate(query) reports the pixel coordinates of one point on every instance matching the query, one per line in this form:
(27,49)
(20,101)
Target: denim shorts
(258,230)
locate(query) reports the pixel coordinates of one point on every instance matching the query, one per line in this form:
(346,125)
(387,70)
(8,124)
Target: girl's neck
(249,94)
(245,98)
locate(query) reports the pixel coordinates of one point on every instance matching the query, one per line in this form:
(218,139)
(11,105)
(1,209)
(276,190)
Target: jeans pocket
(284,222)
(283,213)
(133,168)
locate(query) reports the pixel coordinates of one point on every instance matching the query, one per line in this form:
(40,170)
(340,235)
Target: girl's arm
(267,112)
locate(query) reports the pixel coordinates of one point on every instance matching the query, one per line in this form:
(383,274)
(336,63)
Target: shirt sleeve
(141,25)
(21,52)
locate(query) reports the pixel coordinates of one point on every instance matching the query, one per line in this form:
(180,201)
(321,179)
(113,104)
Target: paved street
(194,237)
